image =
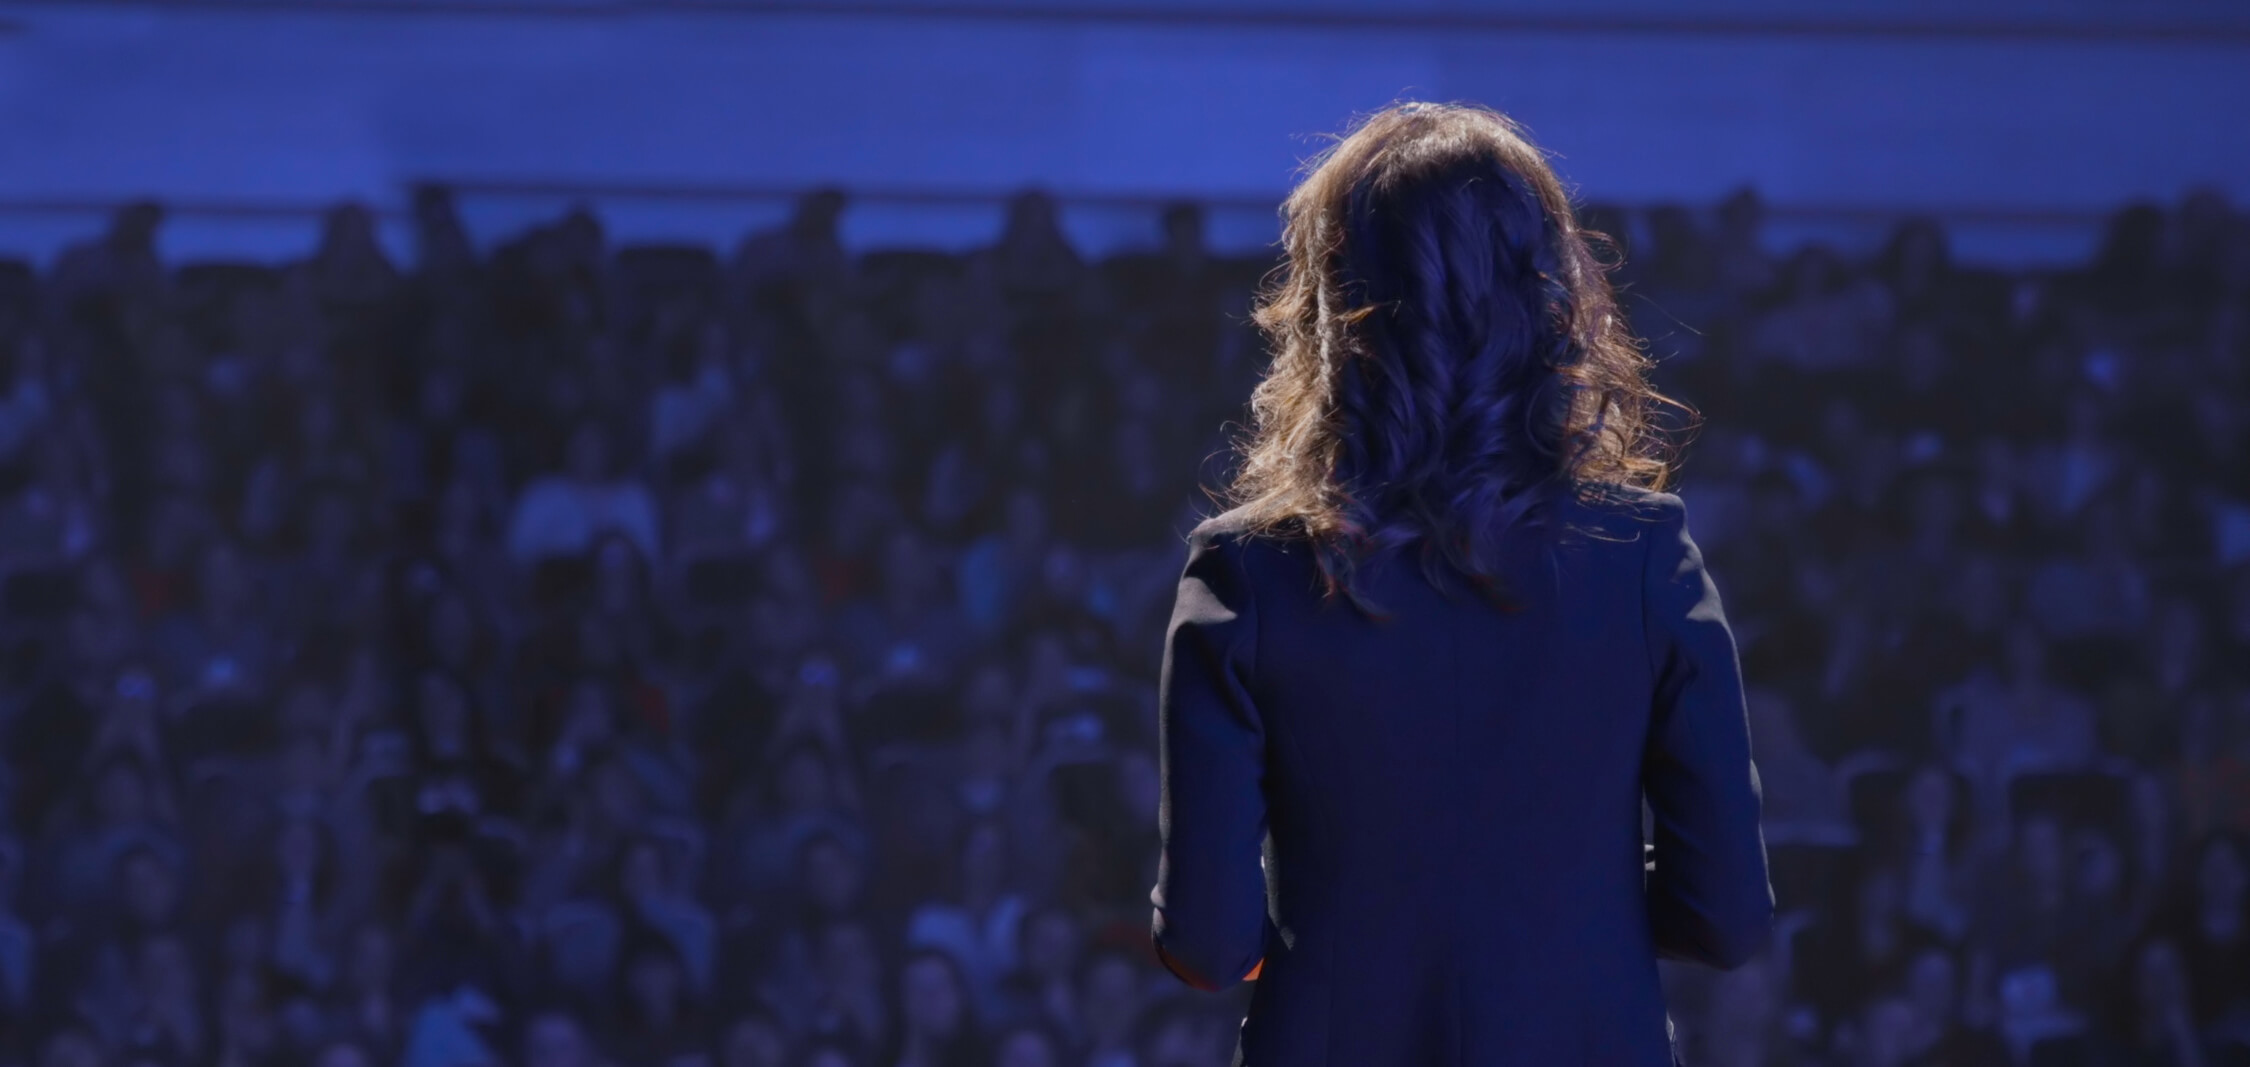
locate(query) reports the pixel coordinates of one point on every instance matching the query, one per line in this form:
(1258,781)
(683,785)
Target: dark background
(619,605)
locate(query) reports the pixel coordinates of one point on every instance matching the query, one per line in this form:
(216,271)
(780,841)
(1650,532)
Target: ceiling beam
(2227,34)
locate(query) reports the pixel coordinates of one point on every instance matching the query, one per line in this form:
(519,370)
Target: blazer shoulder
(1633,499)
(1628,512)
(1227,527)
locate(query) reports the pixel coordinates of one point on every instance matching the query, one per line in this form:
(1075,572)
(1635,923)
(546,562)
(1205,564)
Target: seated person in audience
(561,513)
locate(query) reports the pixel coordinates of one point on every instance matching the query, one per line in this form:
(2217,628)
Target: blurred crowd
(584,654)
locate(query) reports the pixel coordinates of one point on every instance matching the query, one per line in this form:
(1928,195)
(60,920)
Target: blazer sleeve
(1709,898)
(1210,924)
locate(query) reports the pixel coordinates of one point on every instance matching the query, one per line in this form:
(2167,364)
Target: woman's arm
(1709,898)
(1210,923)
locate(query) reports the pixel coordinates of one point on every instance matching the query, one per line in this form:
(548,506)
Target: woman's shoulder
(1614,512)
(1236,526)
(1626,500)
(1605,510)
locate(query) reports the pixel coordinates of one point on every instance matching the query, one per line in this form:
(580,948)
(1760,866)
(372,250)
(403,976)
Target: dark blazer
(1430,829)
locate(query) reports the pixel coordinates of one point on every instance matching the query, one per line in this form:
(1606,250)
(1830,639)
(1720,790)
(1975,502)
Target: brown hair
(1447,355)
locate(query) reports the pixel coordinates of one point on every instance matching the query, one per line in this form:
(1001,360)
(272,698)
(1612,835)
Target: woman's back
(1446,792)
(1430,828)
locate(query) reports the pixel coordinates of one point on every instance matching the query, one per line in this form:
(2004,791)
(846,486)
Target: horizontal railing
(565,191)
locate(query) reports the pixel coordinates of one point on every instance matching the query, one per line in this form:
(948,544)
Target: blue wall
(2025,120)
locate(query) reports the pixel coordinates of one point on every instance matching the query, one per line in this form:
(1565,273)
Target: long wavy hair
(1447,357)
